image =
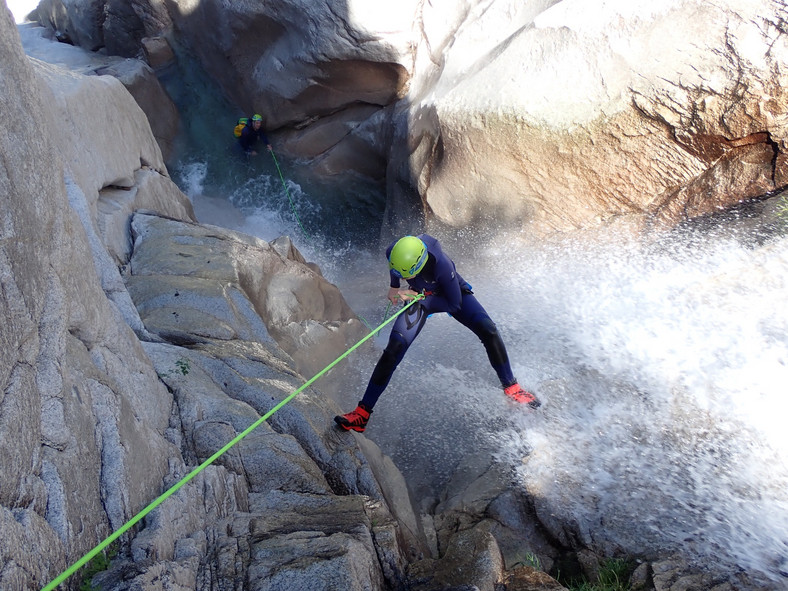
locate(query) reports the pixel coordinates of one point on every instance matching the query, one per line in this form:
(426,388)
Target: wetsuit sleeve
(450,298)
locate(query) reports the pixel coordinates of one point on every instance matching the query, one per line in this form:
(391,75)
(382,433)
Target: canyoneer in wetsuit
(422,263)
(251,134)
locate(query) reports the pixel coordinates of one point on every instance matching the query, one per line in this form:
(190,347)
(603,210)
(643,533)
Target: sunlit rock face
(84,415)
(574,116)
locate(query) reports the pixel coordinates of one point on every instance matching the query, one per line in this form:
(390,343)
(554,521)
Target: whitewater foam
(663,426)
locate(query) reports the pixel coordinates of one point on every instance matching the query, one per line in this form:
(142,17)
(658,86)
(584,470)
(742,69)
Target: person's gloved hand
(407,294)
(397,295)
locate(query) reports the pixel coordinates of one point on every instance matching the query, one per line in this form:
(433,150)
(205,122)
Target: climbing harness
(172,490)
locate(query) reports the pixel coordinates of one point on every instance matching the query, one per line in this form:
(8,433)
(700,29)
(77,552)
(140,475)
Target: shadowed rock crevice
(738,170)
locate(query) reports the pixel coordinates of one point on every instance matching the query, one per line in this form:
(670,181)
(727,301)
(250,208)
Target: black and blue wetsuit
(250,136)
(447,292)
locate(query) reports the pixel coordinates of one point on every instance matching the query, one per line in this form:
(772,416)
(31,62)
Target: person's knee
(396,347)
(487,330)
(390,358)
(488,333)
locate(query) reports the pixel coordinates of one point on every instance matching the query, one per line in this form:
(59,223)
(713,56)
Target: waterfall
(664,423)
(663,374)
(662,368)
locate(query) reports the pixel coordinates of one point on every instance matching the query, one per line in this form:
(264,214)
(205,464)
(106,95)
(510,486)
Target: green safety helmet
(257,117)
(408,257)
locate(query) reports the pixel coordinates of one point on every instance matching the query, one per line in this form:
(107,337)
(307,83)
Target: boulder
(527,578)
(675,573)
(325,540)
(183,274)
(481,491)
(472,560)
(314,561)
(564,117)
(158,52)
(137,76)
(185,310)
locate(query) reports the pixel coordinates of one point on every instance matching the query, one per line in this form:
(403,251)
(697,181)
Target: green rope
(364,320)
(373,330)
(287,192)
(134,520)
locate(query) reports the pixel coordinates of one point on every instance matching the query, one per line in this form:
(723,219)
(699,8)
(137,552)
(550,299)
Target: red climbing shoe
(355,420)
(516,393)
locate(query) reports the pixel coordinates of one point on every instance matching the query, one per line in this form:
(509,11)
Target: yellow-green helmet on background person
(257,117)
(408,257)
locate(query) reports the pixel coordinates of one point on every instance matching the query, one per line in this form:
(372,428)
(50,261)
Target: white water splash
(192,178)
(664,376)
